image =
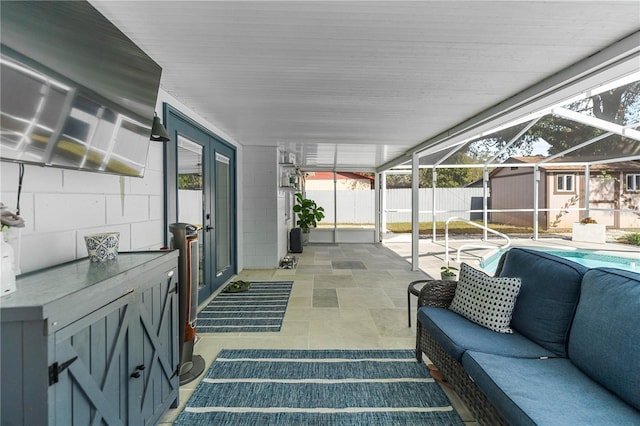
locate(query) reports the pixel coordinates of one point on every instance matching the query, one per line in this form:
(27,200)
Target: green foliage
(620,106)
(309,213)
(633,239)
(190,181)
(447,178)
(448,271)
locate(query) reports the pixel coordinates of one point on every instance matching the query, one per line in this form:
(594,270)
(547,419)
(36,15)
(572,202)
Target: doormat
(259,309)
(318,387)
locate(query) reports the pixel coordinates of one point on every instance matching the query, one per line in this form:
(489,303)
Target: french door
(201,191)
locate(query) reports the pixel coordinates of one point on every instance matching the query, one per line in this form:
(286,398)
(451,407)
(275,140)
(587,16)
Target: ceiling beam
(597,122)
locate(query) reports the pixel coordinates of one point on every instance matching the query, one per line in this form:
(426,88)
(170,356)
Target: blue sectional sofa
(573,357)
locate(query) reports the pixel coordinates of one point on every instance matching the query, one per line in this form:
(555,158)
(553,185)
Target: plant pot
(305,238)
(102,247)
(589,232)
(444,277)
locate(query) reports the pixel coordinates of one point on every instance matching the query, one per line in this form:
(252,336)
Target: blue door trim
(179,123)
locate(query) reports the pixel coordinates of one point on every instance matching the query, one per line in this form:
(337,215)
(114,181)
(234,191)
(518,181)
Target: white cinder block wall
(61,206)
(263,208)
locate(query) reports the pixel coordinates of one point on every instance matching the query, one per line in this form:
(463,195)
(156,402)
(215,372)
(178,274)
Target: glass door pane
(223,214)
(190,192)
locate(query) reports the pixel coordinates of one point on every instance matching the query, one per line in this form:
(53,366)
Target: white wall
(264,223)
(61,206)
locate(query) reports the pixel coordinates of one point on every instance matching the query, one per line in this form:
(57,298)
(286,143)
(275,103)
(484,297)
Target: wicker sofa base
(465,388)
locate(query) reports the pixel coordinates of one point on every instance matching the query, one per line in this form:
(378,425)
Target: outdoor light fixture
(158,132)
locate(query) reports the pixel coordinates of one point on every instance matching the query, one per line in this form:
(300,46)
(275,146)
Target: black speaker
(295,240)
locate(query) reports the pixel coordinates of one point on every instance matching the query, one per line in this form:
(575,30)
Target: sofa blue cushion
(605,335)
(548,296)
(457,334)
(550,391)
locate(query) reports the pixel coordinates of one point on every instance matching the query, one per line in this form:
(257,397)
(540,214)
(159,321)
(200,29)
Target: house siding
(513,189)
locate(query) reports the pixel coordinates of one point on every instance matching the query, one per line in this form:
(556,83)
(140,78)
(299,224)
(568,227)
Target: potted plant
(309,214)
(448,273)
(588,230)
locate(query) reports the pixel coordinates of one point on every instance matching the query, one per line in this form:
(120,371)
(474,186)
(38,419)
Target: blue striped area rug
(261,308)
(318,387)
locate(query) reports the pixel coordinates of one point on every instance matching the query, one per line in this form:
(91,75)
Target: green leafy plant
(448,271)
(309,213)
(633,239)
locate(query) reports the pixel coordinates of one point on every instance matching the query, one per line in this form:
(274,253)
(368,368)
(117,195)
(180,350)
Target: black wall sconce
(158,132)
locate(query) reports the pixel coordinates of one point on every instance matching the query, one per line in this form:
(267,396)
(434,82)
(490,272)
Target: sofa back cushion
(605,335)
(549,290)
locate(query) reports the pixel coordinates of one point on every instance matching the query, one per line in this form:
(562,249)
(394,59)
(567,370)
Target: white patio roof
(363,85)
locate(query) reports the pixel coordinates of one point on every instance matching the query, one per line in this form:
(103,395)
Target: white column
(536,206)
(415,214)
(587,178)
(485,204)
(377,236)
(434,181)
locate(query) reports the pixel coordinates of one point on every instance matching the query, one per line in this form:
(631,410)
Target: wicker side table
(415,287)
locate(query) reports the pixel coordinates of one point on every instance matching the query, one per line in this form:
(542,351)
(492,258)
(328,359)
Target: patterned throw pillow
(485,300)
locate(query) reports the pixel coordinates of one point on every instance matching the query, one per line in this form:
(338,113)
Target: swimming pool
(588,258)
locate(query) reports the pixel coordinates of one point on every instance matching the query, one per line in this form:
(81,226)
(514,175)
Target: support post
(415,213)
(536,206)
(434,181)
(587,178)
(485,205)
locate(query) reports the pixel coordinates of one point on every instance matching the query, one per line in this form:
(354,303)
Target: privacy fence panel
(358,206)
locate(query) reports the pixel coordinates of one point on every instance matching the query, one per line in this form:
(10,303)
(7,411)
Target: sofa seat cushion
(548,296)
(605,335)
(549,391)
(457,334)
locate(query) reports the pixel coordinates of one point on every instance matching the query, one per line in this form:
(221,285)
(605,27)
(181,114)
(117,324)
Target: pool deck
(432,254)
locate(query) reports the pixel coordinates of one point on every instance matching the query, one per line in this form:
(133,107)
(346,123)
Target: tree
(620,106)
(454,177)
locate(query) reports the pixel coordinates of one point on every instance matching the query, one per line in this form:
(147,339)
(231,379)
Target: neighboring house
(562,188)
(344,181)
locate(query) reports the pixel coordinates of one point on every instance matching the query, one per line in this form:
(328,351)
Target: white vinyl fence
(358,206)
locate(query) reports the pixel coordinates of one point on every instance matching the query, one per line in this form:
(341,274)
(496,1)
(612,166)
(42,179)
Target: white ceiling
(355,85)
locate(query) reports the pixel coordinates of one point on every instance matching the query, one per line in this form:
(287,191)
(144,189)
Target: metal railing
(464,246)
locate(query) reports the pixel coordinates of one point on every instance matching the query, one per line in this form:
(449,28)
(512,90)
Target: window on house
(564,183)
(633,182)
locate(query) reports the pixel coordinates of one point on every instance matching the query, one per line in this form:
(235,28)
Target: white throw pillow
(485,300)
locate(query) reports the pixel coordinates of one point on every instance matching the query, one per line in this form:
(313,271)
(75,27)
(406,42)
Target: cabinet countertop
(38,293)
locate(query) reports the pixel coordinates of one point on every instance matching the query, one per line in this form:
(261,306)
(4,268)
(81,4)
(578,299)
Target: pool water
(588,258)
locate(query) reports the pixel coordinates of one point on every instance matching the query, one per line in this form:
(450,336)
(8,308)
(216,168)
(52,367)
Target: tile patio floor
(350,296)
